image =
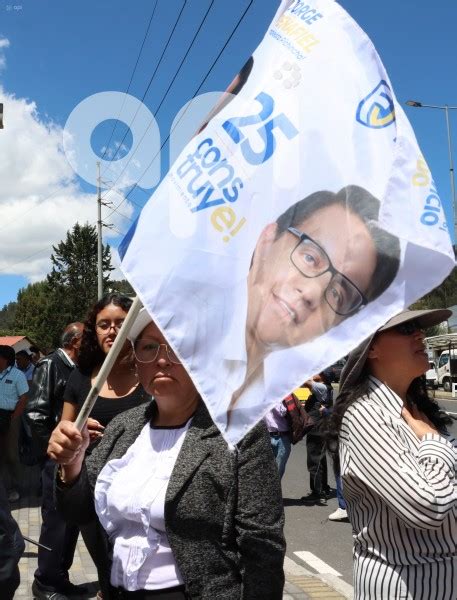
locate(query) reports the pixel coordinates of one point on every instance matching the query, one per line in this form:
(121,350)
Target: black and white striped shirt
(401,495)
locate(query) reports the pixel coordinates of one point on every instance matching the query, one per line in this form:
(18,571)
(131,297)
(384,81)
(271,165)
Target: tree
(122,286)
(73,279)
(7,316)
(34,316)
(443,296)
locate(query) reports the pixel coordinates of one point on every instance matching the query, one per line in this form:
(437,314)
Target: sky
(54,55)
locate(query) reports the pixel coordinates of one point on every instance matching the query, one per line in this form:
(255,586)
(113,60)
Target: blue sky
(62,52)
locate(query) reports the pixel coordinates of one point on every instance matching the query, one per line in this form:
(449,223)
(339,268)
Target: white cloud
(4,43)
(40,199)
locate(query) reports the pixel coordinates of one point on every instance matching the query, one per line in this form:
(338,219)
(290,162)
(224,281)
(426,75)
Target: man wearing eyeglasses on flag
(322,261)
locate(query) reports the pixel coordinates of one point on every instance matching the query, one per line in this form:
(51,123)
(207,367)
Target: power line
(24,259)
(152,77)
(131,79)
(195,94)
(169,86)
(115,210)
(21,217)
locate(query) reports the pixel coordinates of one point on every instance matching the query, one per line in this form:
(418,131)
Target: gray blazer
(223,509)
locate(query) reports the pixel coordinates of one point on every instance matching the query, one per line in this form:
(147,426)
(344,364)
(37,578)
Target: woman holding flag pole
(181,515)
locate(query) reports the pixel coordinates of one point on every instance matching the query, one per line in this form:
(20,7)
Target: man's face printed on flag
(294,288)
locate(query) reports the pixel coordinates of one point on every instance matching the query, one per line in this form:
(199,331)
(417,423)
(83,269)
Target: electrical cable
(131,79)
(195,94)
(169,87)
(151,78)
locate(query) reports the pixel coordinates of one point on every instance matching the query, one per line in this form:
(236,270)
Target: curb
(316,586)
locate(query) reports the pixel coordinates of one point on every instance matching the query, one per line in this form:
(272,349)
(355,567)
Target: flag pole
(108,363)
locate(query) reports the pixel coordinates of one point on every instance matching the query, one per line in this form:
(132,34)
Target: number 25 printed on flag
(299,218)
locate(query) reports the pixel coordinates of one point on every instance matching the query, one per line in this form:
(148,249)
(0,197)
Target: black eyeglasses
(308,257)
(107,325)
(147,350)
(407,328)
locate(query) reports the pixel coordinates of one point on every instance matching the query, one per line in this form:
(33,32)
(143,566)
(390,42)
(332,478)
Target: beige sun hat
(357,358)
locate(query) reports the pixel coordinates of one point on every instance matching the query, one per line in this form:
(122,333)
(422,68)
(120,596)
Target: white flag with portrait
(298,220)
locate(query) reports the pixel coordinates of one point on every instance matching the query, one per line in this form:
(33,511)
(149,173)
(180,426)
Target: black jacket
(46,397)
(11,541)
(223,509)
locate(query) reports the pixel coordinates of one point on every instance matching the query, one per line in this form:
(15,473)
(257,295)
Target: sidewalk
(300,584)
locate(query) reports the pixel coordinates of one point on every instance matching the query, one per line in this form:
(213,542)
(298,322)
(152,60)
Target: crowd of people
(169,512)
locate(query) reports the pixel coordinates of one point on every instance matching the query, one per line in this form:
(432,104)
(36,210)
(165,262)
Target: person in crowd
(24,363)
(35,354)
(341,513)
(11,548)
(43,412)
(280,437)
(120,392)
(318,401)
(13,398)
(398,466)
(183,515)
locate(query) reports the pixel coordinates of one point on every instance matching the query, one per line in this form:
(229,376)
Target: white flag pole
(108,363)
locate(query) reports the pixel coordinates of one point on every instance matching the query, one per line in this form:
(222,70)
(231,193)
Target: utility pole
(99,237)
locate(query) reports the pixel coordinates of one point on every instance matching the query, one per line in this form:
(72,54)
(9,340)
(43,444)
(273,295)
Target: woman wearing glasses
(182,514)
(120,392)
(398,466)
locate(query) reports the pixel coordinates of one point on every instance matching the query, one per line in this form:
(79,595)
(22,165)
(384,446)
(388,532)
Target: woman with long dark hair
(120,392)
(398,466)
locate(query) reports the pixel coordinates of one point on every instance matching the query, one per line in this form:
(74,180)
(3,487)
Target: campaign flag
(298,220)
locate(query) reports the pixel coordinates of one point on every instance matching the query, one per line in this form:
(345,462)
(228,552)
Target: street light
(446,109)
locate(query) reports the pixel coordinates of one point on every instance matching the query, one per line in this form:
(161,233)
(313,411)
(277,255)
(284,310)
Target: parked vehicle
(431,377)
(443,350)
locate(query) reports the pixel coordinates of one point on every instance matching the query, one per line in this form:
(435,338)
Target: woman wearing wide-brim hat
(398,466)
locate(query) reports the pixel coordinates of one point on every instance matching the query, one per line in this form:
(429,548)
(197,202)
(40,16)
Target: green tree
(442,296)
(122,286)
(73,279)
(7,316)
(33,315)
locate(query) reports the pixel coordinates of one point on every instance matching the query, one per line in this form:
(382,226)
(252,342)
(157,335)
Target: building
(18,342)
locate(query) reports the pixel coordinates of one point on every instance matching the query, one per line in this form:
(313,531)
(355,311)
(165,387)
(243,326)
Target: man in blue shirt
(13,398)
(24,363)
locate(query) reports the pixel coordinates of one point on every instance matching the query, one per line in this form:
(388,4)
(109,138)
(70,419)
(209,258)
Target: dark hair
(243,76)
(34,349)
(72,332)
(417,395)
(23,353)
(363,204)
(7,352)
(90,354)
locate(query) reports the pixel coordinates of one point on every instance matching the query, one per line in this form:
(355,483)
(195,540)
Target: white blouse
(130,501)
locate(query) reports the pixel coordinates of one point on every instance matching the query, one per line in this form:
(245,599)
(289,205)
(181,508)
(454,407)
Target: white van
(443,369)
(431,378)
